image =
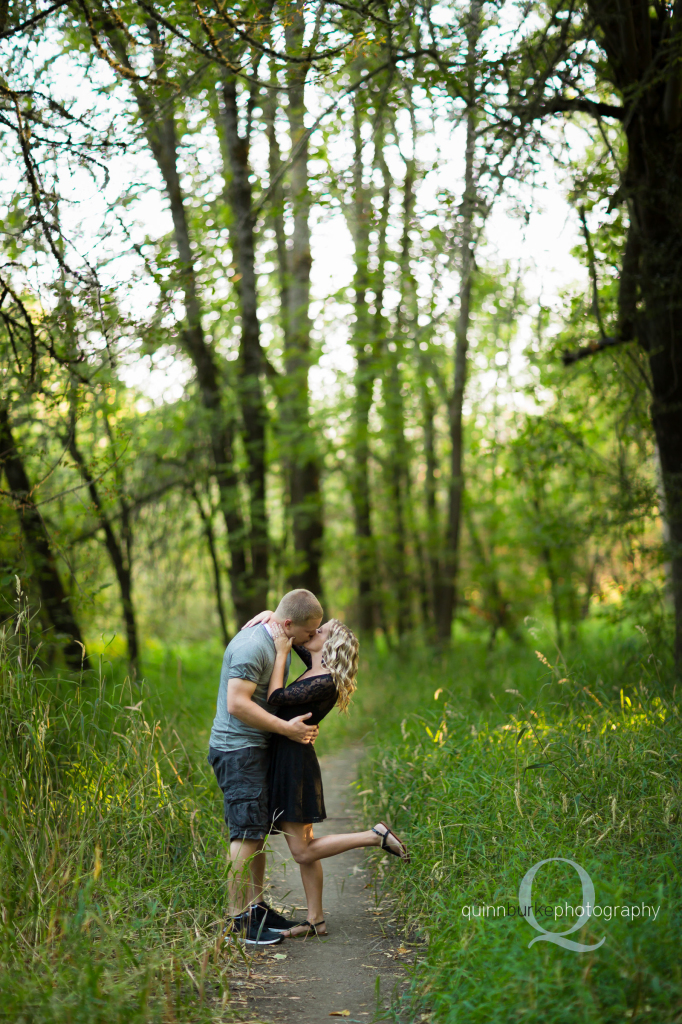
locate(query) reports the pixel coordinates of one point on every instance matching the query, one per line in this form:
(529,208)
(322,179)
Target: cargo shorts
(243,777)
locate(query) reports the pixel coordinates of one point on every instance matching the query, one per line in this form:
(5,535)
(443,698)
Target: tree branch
(593,271)
(568,358)
(563,105)
(134,506)
(33,21)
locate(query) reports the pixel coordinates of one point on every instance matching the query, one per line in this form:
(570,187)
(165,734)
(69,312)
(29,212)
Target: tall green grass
(577,760)
(112,854)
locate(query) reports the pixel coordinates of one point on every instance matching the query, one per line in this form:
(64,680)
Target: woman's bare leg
(313,880)
(306,849)
(299,837)
(308,852)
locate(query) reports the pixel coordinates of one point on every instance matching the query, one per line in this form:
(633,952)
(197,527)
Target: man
(239,754)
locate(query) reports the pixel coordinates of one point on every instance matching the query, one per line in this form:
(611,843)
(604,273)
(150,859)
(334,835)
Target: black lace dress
(295,781)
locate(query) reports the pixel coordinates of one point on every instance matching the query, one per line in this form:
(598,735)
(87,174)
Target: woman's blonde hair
(340,656)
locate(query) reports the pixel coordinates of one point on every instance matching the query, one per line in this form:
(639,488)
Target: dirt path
(356,967)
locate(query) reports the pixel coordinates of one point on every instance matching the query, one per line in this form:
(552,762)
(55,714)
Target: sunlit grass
(486,761)
(112,856)
(577,759)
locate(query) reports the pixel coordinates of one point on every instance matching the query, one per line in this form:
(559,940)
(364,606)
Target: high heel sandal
(402,852)
(312,930)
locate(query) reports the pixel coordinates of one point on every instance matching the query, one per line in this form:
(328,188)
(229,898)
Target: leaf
(340,1013)
(279,956)
(97,870)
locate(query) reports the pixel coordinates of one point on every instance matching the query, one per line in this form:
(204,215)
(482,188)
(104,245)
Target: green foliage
(561,503)
(576,760)
(111,850)
(112,854)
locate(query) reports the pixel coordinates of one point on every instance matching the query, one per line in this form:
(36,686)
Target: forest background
(377,299)
(197,432)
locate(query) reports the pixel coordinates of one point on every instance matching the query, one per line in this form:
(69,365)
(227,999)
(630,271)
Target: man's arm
(239,704)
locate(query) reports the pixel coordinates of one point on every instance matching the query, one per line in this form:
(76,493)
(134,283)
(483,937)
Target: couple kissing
(261,750)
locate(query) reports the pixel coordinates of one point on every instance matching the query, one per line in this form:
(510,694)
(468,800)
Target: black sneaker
(272,920)
(250,929)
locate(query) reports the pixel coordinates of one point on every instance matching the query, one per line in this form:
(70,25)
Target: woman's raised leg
(306,849)
(308,852)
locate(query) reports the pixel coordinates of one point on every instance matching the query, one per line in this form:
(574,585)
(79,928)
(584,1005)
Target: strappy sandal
(402,853)
(312,930)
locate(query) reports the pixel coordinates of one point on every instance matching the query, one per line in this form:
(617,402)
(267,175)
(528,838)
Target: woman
(296,797)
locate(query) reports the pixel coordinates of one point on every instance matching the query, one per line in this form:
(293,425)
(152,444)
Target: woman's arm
(304,691)
(264,617)
(283,649)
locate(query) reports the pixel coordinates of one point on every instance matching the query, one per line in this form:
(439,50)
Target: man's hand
(239,704)
(300,732)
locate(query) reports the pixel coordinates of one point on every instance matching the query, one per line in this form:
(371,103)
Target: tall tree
(392,351)
(54,597)
(301,445)
(207,523)
(119,550)
(447,591)
(432,469)
(641,50)
(359,216)
(251,358)
(156,102)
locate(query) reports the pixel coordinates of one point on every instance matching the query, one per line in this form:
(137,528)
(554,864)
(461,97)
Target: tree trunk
(394,432)
(121,564)
(159,126)
(431,497)
(643,48)
(548,559)
(554,591)
(447,598)
(408,337)
(299,439)
(251,363)
(664,340)
(277,207)
(497,608)
(396,458)
(220,427)
(359,218)
(54,598)
(207,521)
(654,174)
(447,602)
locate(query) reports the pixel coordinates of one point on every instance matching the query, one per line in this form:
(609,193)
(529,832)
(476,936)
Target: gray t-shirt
(249,655)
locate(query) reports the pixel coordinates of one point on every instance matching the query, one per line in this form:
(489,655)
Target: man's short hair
(300,606)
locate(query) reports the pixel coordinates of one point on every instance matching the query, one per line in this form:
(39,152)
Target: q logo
(558,938)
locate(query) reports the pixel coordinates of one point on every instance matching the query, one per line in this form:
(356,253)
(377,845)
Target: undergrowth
(113,853)
(572,764)
(112,858)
